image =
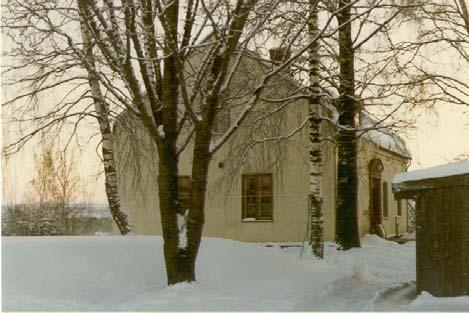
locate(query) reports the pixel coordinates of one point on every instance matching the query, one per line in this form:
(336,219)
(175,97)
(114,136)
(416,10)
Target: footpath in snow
(127,274)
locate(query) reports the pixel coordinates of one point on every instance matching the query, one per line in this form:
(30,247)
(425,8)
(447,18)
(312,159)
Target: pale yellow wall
(393,164)
(288,165)
(223,206)
(137,170)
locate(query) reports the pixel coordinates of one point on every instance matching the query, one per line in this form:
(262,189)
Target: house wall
(287,160)
(290,186)
(393,164)
(137,177)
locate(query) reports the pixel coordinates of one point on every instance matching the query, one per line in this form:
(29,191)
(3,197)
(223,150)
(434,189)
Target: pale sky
(441,137)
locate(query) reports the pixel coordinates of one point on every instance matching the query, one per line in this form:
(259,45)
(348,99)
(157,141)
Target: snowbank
(451,169)
(427,302)
(127,273)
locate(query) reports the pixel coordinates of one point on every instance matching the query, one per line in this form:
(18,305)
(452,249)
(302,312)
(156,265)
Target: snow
(373,130)
(113,273)
(160,131)
(182,227)
(427,302)
(249,219)
(451,169)
(384,137)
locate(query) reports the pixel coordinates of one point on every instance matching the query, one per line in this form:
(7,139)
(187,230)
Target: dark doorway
(375,212)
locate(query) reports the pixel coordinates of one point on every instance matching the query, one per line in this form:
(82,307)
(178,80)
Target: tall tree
(315,153)
(149,46)
(107,139)
(347,235)
(44,62)
(372,67)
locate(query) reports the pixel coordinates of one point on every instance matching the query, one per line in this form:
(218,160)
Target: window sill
(256,221)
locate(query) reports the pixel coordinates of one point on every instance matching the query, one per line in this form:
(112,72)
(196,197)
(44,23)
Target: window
(385,200)
(184,192)
(257,197)
(399,207)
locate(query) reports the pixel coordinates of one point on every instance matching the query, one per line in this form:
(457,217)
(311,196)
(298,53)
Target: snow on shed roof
(451,169)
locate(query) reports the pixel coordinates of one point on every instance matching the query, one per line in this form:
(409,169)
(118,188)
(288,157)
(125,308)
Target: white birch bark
(119,216)
(315,153)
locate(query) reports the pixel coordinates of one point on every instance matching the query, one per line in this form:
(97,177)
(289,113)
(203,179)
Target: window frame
(258,196)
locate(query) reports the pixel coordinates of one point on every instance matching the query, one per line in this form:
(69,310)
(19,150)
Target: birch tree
(42,58)
(107,144)
(315,153)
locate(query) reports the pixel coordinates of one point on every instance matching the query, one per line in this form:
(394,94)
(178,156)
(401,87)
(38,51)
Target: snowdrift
(127,274)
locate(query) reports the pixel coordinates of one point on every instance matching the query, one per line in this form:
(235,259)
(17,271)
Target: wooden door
(376,216)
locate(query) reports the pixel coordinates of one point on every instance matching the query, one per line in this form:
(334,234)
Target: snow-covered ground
(110,273)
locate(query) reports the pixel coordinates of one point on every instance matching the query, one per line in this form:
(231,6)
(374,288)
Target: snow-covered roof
(381,135)
(451,169)
(384,137)
(378,133)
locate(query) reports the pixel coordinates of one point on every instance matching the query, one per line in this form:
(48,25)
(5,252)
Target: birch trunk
(120,218)
(347,234)
(315,154)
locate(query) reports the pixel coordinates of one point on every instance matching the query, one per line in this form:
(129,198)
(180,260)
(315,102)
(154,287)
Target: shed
(442,226)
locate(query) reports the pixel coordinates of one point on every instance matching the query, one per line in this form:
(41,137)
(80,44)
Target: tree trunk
(315,154)
(464,14)
(347,234)
(181,253)
(201,161)
(110,175)
(179,266)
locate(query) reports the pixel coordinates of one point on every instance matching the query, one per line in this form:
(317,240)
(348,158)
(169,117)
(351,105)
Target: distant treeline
(55,220)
